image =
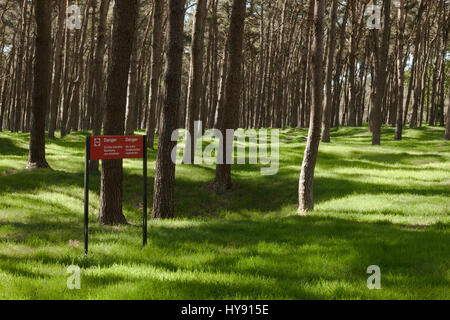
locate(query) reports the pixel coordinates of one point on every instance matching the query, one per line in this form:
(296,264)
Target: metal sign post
(108,148)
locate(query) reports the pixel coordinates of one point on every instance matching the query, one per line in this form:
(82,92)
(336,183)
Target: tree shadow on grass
(194,199)
(270,258)
(8,148)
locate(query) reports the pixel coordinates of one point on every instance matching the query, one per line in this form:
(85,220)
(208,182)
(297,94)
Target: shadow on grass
(262,258)
(8,148)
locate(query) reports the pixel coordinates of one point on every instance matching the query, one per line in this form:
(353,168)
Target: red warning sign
(116,147)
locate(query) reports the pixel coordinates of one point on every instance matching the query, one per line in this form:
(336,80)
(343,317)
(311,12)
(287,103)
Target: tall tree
(223,181)
(306,198)
(155,69)
(163,202)
(57,69)
(99,94)
(124,18)
(41,91)
(195,78)
(329,79)
(400,69)
(381,53)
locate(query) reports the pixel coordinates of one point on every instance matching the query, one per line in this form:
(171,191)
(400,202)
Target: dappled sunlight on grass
(386,205)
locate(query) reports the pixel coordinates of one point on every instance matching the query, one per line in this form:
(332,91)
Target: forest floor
(387,206)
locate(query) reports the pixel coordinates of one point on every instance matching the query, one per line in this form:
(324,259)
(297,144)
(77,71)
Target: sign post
(109,148)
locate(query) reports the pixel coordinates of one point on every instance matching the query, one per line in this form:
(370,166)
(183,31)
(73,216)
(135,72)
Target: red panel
(117,147)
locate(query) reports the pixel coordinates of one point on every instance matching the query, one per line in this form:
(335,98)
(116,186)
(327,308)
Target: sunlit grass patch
(385,206)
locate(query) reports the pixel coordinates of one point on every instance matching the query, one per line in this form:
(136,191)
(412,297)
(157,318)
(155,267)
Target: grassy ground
(387,206)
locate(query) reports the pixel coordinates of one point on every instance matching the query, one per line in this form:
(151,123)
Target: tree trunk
(163,199)
(99,94)
(195,79)
(400,70)
(41,96)
(306,199)
(131,108)
(124,22)
(381,59)
(223,181)
(157,42)
(329,80)
(56,87)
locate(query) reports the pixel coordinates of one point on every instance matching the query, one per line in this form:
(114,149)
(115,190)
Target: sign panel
(116,147)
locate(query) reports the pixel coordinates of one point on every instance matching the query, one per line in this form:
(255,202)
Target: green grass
(387,206)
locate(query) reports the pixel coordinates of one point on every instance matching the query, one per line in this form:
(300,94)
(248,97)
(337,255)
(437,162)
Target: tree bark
(163,199)
(157,42)
(400,70)
(306,198)
(124,18)
(381,59)
(99,94)
(329,80)
(223,181)
(56,87)
(195,79)
(41,96)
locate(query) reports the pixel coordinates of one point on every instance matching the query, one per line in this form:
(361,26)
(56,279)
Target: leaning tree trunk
(306,199)
(124,18)
(223,181)
(163,202)
(41,97)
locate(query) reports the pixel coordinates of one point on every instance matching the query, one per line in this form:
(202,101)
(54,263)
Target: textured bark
(195,78)
(131,109)
(124,18)
(400,70)
(447,127)
(74,115)
(381,60)
(306,199)
(337,75)
(19,71)
(329,79)
(57,69)
(163,199)
(41,97)
(157,39)
(223,181)
(99,95)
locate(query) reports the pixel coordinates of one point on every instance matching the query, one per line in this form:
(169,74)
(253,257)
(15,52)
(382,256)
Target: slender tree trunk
(98,99)
(306,199)
(400,70)
(131,108)
(329,80)
(195,79)
(157,42)
(56,87)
